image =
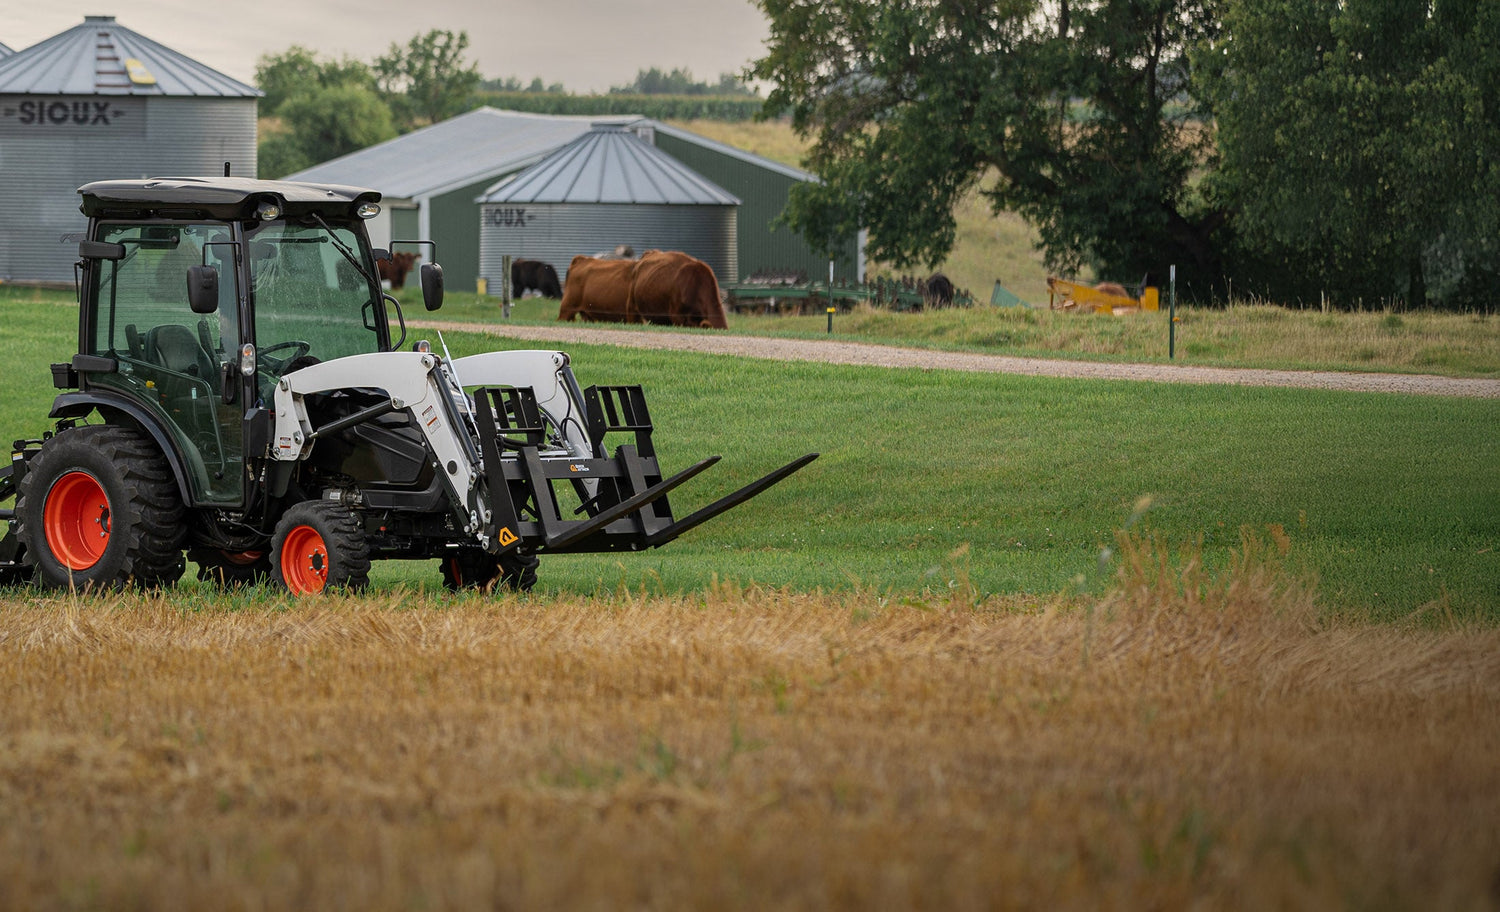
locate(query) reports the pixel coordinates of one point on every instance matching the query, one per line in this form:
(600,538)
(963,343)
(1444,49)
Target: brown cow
(597,290)
(674,289)
(394,270)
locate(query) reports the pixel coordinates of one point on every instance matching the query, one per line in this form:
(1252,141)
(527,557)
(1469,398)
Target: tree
(1078,108)
(298,69)
(1360,146)
(321,123)
(428,81)
(680,81)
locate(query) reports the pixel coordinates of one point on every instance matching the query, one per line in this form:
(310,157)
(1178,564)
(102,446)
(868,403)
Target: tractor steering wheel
(277,365)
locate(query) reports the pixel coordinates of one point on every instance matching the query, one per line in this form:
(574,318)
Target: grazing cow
(597,290)
(672,288)
(394,270)
(534,275)
(937,291)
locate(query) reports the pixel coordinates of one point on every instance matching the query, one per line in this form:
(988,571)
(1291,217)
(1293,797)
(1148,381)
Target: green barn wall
(406,225)
(454,222)
(763,196)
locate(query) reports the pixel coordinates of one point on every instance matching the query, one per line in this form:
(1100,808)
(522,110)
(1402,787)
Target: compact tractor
(237,400)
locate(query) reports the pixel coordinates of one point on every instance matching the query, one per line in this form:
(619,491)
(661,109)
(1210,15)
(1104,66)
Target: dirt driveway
(858,353)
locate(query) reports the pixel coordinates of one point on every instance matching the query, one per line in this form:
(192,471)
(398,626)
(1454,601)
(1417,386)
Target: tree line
(316,109)
(1298,150)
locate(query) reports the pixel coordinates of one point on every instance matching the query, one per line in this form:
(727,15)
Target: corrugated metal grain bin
(100,101)
(604,189)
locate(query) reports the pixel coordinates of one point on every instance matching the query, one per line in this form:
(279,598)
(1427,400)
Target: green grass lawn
(1016,484)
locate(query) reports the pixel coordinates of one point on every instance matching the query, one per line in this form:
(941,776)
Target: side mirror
(203,289)
(432,285)
(101,250)
(380,253)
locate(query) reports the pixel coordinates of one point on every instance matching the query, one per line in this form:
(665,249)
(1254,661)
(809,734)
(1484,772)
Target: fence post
(505,289)
(1172,317)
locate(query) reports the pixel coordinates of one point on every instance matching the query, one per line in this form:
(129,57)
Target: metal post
(1172,317)
(830,320)
(505,289)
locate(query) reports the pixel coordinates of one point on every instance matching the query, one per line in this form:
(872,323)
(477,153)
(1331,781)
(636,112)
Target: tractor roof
(217,197)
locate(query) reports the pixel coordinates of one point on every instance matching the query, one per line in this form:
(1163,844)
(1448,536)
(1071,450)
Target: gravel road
(858,353)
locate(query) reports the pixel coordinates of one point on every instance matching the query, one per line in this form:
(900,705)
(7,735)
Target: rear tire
(99,508)
(472,568)
(320,545)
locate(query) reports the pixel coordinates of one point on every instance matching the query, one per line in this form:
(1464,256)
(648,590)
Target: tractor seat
(176,348)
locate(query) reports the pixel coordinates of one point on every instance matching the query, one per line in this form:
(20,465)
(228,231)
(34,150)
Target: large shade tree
(1075,114)
(1360,147)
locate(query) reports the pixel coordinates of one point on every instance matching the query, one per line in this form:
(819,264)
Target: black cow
(529,275)
(937,291)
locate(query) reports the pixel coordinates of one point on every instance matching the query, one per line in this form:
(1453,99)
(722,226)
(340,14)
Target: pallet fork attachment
(625,495)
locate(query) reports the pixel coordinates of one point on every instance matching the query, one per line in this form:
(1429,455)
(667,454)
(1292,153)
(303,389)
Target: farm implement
(237,400)
(1106,297)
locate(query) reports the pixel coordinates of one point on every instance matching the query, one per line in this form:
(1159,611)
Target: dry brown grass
(1188,740)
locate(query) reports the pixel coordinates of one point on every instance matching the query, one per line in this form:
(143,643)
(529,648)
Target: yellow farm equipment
(1106,297)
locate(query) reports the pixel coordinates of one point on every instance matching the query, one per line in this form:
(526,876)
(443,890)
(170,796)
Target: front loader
(237,400)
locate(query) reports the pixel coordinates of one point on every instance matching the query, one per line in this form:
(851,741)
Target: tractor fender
(80,404)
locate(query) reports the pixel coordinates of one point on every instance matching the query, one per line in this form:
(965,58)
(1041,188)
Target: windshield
(308,291)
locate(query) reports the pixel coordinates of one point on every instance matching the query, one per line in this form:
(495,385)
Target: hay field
(1187,740)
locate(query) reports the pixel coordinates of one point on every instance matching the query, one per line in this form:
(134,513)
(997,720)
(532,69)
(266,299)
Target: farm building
(433,180)
(100,101)
(606,188)
(5,50)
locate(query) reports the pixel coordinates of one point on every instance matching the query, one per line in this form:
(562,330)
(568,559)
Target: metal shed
(101,101)
(429,177)
(607,187)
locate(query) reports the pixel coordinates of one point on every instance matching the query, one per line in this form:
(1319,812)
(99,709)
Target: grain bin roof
(102,57)
(453,153)
(610,164)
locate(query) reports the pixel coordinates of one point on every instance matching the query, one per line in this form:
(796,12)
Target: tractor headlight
(247,360)
(367,210)
(422,345)
(267,211)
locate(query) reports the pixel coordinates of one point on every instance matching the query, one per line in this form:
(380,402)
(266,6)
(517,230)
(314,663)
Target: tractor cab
(197,296)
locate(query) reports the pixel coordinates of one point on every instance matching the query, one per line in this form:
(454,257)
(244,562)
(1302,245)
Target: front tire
(99,508)
(320,545)
(472,568)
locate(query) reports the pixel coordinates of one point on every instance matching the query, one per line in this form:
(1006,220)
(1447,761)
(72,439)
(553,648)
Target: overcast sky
(583,44)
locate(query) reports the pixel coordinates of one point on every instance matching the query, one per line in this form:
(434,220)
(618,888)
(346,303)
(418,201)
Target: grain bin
(100,101)
(606,188)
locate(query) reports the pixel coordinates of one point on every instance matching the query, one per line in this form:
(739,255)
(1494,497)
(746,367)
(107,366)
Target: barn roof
(102,57)
(5,50)
(609,164)
(477,146)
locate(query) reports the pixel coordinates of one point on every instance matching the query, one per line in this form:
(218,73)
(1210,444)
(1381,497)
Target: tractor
(237,400)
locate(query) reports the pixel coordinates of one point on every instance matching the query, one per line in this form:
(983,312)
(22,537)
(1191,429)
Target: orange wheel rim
(304,561)
(76,520)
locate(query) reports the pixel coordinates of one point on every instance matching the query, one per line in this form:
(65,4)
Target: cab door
(171,360)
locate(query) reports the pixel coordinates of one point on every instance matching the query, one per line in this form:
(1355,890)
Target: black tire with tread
(343,536)
(473,568)
(146,528)
(229,570)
